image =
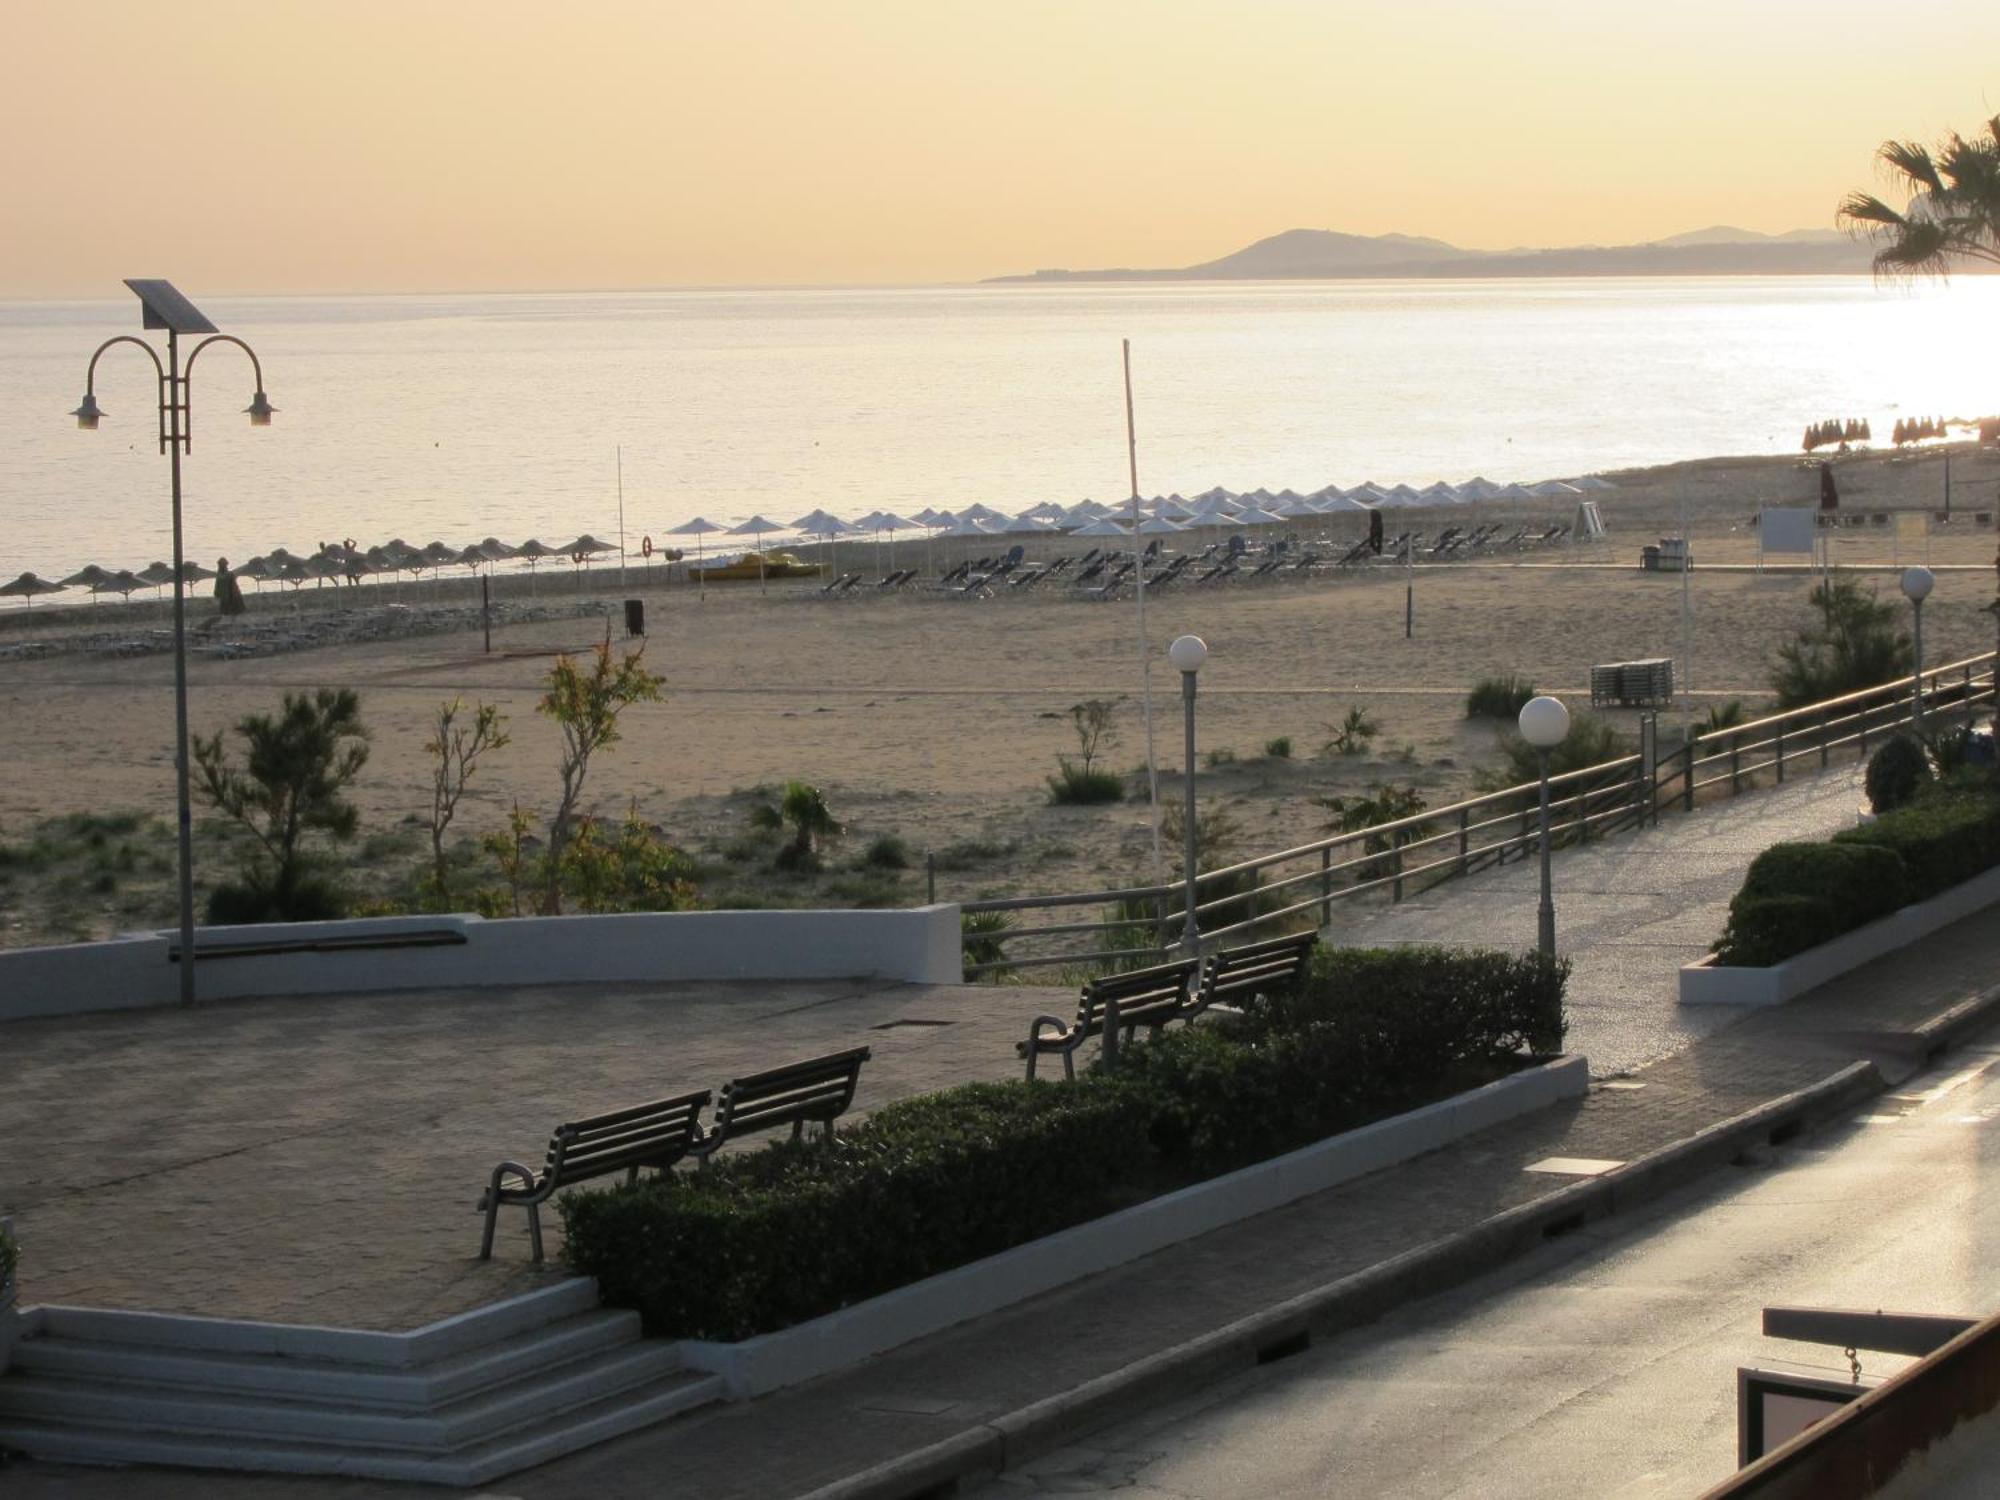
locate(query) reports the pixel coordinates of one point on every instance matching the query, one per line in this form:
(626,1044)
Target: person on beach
(228,592)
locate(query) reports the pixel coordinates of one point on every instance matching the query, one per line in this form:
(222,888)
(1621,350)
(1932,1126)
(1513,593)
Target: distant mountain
(1315,254)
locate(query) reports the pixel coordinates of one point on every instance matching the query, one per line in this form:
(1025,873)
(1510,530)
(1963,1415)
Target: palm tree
(1954,206)
(803,809)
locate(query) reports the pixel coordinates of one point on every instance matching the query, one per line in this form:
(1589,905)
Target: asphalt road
(1604,1365)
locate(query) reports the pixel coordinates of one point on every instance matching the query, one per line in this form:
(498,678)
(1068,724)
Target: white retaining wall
(1706,982)
(919,945)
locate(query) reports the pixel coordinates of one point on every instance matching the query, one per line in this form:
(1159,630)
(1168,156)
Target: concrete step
(364,1386)
(476,1463)
(138,1407)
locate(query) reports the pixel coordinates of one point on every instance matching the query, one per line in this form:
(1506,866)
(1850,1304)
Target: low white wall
(919,945)
(1709,983)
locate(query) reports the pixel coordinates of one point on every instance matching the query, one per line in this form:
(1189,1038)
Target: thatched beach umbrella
(158,574)
(27,586)
(123,583)
(89,576)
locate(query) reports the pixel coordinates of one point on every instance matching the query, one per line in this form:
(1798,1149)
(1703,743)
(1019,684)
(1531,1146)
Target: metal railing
(1292,887)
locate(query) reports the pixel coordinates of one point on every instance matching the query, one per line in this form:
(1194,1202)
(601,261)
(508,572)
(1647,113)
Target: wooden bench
(1234,975)
(646,1135)
(1115,1004)
(820,1089)
(345,942)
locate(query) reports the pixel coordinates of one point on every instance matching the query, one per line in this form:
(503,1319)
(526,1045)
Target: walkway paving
(317,1161)
(1630,910)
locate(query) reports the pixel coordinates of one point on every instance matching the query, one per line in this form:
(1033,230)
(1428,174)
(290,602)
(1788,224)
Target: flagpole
(620,451)
(1145,648)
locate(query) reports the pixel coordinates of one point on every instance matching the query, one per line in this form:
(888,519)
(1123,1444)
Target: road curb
(1364,1296)
(1949,1027)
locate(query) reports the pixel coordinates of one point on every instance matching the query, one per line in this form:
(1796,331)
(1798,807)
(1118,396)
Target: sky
(441,145)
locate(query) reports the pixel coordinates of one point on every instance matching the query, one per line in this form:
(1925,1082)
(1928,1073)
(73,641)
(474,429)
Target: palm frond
(1912,159)
(1921,249)
(1864,213)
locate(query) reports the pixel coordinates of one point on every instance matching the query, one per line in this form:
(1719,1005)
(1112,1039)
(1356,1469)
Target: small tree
(803,809)
(586,704)
(295,768)
(1352,734)
(1855,645)
(455,748)
(1078,780)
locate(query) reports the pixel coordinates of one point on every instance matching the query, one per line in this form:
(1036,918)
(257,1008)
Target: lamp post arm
(162,395)
(187,378)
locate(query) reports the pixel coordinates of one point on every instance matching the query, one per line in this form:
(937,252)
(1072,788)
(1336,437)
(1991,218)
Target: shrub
(1943,839)
(10,1256)
(1074,786)
(1385,804)
(1217,758)
(1498,697)
(1895,773)
(1279,748)
(311,897)
(1798,895)
(930,1183)
(887,852)
(803,809)
(922,1186)
(982,933)
(1352,734)
(1764,930)
(1079,780)
(1854,644)
(1591,741)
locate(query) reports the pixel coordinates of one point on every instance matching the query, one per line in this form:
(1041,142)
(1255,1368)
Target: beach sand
(937,719)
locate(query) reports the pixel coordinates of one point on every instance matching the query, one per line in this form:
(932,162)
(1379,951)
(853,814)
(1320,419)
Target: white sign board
(1782,528)
(1775,1406)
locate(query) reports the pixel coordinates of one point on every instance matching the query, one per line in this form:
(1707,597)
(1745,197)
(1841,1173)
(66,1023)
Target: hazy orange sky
(424,145)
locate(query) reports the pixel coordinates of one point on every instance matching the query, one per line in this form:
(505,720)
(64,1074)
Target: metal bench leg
(1031,1062)
(535,1230)
(1069,1064)
(492,1216)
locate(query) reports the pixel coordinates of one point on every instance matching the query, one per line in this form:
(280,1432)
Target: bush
(310,898)
(1352,734)
(1798,895)
(1943,839)
(10,1256)
(1853,643)
(1072,786)
(982,934)
(887,852)
(934,1182)
(1895,773)
(922,1186)
(1591,741)
(1217,758)
(1498,697)
(1279,748)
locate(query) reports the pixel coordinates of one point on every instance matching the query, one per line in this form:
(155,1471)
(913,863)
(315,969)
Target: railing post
(1396,867)
(1687,776)
(1862,715)
(1968,697)
(1583,816)
(1646,780)
(1326,886)
(1735,763)
(1781,754)
(1464,837)
(1825,735)
(1524,833)
(1161,937)
(930,878)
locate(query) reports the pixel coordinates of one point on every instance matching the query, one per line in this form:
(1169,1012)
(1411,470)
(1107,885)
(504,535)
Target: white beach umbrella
(1257,516)
(1159,526)
(980,512)
(1592,482)
(1409,494)
(1441,493)
(1555,489)
(698,528)
(1513,492)
(1027,524)
(757,526)
(1295,507)
(1341,504)
(1103,526)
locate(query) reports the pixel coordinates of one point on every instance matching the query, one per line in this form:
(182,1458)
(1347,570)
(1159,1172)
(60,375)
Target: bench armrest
(494,1184)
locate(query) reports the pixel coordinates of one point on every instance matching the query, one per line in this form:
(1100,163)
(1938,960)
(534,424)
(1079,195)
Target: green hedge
(1796,896)
(768,1238)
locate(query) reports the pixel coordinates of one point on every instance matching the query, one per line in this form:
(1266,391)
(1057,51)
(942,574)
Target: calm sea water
(459,417)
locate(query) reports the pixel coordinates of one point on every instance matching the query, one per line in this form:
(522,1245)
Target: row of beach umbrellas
(1160,515)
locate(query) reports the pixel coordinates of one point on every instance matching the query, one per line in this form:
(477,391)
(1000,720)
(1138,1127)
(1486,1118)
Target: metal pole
(176,418)
(1917,679)
(1145,646)
(486,611)
(1546,937)
(621,518)
(1191,937)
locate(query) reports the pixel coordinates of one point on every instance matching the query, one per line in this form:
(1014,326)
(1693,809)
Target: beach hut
(27,586)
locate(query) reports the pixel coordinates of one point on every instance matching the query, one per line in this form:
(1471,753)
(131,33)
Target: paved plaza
(317,1160)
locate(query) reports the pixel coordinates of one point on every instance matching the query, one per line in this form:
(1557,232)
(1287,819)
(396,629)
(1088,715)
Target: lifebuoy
(646,547)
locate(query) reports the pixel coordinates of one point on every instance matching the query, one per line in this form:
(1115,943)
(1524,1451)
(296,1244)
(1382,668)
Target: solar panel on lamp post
(163,307)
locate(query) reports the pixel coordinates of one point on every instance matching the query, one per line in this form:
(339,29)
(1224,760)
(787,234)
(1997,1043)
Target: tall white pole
(1145,649)
(621,518)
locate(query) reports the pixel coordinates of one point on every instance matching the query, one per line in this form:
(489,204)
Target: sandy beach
(935,719)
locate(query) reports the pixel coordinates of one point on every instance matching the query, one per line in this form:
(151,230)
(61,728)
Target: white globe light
(1917,584)
(1188,653)
(1544,722)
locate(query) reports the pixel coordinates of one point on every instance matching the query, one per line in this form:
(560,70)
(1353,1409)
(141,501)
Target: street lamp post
(1544,724)
(1917,585)
(165,308)
(1187,654)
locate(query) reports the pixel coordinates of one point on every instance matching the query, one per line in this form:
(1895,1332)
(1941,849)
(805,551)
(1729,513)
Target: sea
(457,417)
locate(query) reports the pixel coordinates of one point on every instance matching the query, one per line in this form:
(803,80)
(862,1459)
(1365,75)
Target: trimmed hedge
(1799,895)
(765,1239)
(1896,773)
